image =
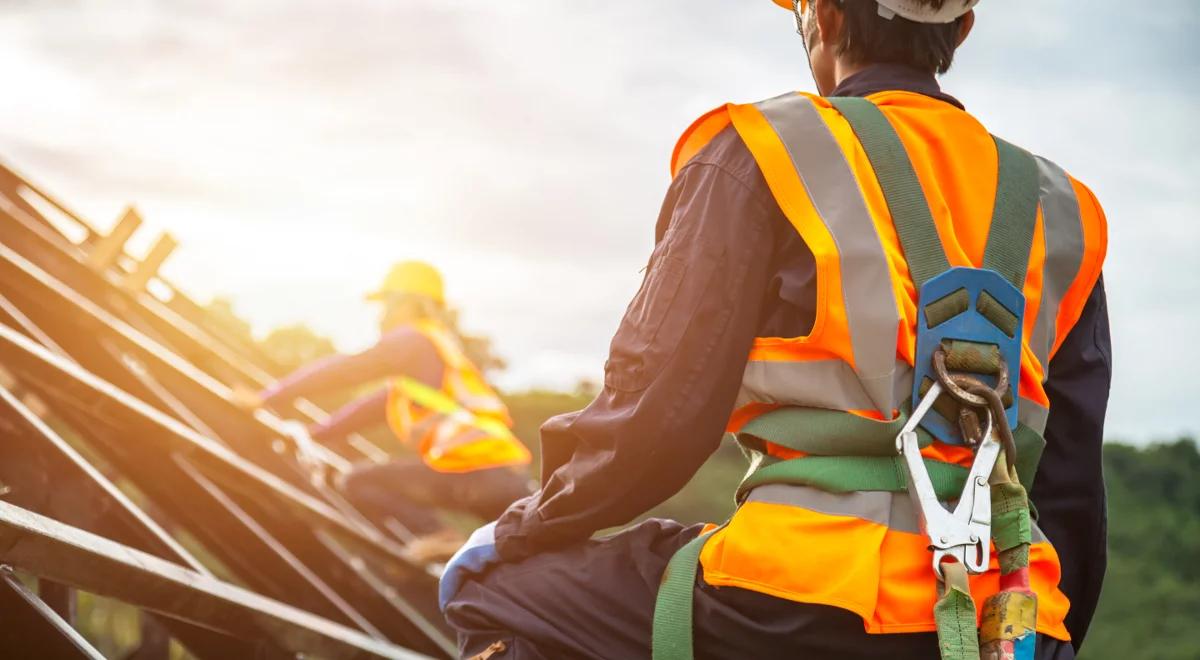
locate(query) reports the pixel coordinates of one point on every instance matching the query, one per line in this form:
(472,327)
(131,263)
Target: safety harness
(969,340)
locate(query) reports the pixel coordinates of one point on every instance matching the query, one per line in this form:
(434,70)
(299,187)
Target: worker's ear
(830,21)
(964,26)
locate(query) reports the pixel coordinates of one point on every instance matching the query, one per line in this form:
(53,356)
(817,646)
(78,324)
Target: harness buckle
(983,314)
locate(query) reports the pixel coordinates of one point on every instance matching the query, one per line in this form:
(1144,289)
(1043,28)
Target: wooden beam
(66,554)
(106,250)
(148,268)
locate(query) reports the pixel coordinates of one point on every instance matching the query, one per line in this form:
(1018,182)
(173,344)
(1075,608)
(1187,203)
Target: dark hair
(869,38)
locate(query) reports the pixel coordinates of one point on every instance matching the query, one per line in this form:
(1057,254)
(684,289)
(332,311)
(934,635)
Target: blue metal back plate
(969,326)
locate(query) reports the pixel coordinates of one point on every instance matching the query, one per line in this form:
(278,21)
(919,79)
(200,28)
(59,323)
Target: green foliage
(708,497)
(1151,596)
(294,346)
(114,628)
(221,315)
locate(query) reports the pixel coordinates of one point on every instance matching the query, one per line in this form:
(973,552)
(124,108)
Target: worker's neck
(843,69)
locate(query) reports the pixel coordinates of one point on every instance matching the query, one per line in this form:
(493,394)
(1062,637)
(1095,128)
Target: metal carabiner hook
(965,533)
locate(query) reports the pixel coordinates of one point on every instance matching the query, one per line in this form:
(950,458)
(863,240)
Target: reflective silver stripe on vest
(894,510)
(1064,254)
(1033,415)
(828,384)
(870,306)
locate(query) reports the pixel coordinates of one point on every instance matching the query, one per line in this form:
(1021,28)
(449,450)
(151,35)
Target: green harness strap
(672,634)
(867,460)
(822,432)
(1014,216)
(954,613)
(848,474)
(901,188)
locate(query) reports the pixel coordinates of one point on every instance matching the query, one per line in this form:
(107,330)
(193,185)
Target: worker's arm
(1069,488)
(674,368)
(403,351)
(358,415)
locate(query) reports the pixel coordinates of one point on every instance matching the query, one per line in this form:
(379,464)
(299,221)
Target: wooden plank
(106,250)
(48,548)
(148,268)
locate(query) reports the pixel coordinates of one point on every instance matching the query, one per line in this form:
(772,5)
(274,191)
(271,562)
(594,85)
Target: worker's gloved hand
(307,454)
(476,555)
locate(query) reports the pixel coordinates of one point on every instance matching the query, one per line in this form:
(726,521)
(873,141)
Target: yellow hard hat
(411,278)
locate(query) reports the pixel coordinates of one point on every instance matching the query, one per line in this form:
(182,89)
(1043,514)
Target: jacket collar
(893,77)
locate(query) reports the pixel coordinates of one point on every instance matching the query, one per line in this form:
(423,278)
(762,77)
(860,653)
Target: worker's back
(864,551)
(459,425)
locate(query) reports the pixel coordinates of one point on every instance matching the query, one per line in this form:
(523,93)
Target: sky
(297,148)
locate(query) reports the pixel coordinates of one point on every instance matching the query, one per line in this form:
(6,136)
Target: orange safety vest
(863,551)
(462,426)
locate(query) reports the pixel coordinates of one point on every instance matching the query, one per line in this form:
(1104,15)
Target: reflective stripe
(459,427)
(893,510)
(834,190)
(1064,254)
(831,384)
(476,402)
(828,384)
(1033,415)
(452,433)
(875,506)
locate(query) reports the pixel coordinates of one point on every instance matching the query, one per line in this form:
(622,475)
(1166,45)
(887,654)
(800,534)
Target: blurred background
(298,148)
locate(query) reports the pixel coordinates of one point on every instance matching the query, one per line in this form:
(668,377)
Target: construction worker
(826,268)
(435,401)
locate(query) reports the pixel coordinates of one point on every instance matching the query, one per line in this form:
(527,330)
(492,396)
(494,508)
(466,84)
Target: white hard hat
(920,12)
(914,10)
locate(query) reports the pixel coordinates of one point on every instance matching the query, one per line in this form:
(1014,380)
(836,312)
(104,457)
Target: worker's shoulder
(404,339)
(727,155)
(1055,176)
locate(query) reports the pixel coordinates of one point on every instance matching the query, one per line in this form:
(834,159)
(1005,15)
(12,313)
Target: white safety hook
(965,534)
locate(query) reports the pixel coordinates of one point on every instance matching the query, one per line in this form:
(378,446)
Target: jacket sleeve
(400,352)
(1069,490)
(358,415)
(673,373)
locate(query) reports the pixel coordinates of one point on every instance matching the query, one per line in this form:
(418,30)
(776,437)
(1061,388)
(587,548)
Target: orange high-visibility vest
(460,427)
(864,551)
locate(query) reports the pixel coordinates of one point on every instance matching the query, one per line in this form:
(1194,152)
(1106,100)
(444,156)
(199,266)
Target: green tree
(1152,589)
(294,346)
(221,314)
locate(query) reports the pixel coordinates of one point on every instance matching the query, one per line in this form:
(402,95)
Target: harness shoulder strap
(905,199)
(1014,216)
